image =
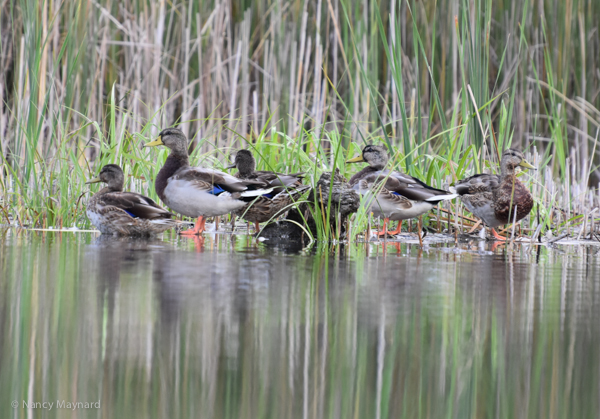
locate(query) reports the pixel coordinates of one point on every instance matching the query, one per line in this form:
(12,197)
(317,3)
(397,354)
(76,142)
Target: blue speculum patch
(133,215)
(269,195)
(216,190)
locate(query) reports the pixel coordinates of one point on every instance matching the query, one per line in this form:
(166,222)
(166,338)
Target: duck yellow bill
(356,159)
(528,165)
(154,143)
(95,180)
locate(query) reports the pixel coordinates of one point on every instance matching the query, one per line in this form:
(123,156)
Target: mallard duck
(285,189)
(393,195)
(494,198)
(199,192)
(113,211)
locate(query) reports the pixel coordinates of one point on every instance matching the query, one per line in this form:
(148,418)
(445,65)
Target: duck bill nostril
(356,159)
(155,143)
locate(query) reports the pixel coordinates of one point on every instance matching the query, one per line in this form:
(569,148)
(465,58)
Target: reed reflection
(156,329)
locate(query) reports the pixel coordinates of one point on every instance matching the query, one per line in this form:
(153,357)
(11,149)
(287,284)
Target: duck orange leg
(256,227)
(384,232)
(498,236)
(397,231)
(198,228)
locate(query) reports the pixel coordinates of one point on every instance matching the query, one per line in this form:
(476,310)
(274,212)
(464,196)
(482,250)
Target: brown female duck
(113,211)
(285,190)
(498,199)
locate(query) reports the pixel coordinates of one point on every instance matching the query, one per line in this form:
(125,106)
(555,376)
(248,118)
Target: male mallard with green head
(198,192)
(498,199)
(113,211)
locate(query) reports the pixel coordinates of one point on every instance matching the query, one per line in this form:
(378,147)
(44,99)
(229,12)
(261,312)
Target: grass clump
(446,85)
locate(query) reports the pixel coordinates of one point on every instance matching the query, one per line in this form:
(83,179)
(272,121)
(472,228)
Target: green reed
(447,85)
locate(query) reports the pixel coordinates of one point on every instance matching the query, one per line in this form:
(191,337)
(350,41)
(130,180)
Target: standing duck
(113,211)
(498,199)
(285,190)
(198,192)
(393,195)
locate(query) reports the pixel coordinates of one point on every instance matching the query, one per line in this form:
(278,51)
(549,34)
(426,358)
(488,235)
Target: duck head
(173,139)
(112,175)
(375,155)
(511,159)
(245,163)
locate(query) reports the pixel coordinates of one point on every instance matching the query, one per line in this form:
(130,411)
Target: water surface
(231,328)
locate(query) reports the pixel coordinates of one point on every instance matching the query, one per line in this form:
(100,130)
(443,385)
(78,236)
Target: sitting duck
(286,189)
(113,211)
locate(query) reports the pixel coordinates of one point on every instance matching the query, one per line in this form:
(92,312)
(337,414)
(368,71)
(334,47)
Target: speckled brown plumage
(335,192)
(363,173)
(510,195)
(113,211)
(344,200)
(264,208)
(493,198)
(286,189)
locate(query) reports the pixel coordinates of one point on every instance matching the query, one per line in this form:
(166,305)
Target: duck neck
(507,172)
(174,162)
(364,172)
(246,168)
(111,187)
(245,172)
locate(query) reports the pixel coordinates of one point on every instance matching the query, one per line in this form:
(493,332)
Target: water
(231,328)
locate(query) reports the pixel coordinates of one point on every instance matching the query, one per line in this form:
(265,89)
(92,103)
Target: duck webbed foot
(384,232)
(397,230)
(198,228)
(498,236)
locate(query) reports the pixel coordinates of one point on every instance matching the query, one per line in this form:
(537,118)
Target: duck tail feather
(438,198)
(256,192)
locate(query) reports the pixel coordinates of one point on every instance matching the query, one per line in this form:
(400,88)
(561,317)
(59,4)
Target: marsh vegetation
(446,85)
(226,326)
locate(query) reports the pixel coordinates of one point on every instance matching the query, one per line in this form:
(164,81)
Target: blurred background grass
(447,84)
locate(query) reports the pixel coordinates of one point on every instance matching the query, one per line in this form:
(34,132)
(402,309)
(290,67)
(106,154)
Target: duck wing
(260,173)
(276,179)
(216,182)
(398,201)
(383,198)
(410,187)
(477,184)
(280,181)
(136,205)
